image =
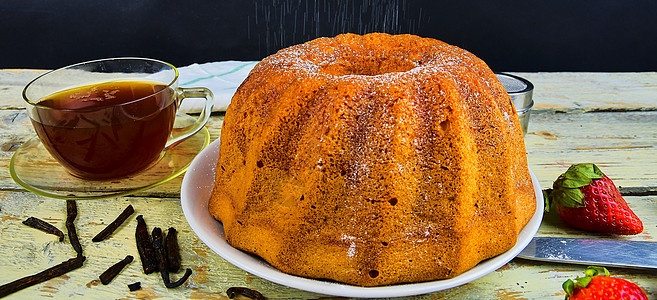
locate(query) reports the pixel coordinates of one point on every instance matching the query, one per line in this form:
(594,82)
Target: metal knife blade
(609,253)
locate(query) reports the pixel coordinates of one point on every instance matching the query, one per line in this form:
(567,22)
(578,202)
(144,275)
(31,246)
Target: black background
(560,35)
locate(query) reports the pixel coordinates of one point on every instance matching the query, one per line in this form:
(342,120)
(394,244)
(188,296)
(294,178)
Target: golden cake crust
(372,160)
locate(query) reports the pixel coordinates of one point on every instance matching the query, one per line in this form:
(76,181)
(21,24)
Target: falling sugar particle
(288,22)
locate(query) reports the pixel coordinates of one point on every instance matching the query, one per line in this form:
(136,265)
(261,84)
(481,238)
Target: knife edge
(598,252)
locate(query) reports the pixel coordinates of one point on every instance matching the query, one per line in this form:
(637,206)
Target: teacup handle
(180,134)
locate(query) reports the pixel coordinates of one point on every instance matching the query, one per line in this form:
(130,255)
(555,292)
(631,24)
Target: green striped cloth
(222,78)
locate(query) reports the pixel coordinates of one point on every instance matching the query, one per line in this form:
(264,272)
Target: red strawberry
(587,199)
(600,286)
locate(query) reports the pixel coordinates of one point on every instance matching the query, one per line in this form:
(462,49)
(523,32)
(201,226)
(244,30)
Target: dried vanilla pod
(42,276)
(158,245)
(172,250)
(44,226)
(246,292)
(145,247)
(114,270)
(134,286)
(71,214)
(111,227)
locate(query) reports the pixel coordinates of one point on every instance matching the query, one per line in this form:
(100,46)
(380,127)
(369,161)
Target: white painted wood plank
(593,90)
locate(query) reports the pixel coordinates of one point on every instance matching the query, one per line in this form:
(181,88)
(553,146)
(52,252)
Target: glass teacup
(110,118)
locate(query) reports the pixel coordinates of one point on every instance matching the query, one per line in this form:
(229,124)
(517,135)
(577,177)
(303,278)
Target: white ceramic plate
(197,186)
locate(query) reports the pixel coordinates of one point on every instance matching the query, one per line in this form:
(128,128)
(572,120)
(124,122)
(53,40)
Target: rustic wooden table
(606,118)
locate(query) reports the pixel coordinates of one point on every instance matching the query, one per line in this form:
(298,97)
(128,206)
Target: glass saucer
(33,168)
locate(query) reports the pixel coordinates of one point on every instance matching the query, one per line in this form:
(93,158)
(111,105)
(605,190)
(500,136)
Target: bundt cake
(372,160)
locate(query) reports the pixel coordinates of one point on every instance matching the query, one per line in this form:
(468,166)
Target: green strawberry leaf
(583,281)
(568,197)
(579,175)
(593,271)
(568,286)
(573,180)
(547,202)
(567,186)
